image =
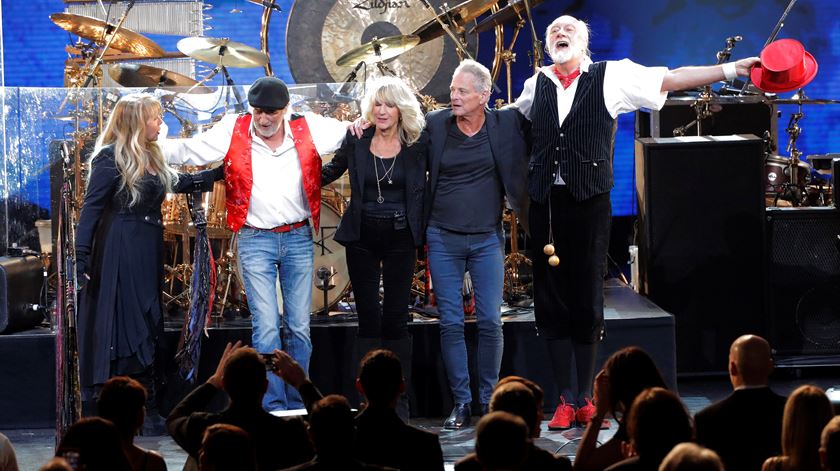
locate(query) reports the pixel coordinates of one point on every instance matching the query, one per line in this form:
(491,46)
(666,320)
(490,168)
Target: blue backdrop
(651,32)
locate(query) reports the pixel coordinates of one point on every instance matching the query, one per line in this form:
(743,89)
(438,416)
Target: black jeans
(385,253)
(569,298)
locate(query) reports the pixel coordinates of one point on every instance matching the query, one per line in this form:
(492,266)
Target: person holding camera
(242,374)
(382,225)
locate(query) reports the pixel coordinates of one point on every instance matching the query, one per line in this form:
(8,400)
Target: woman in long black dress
(119,247)
(383,223)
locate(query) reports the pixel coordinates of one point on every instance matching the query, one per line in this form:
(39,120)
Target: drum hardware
(512,11)
(224,53)
(703,106)
(773,34)
(107,35)
(265,20)
(146,76)
(325,283)
(456,18)
(378,50)
(515,289)
(318,33)
(452,20)
(805,101)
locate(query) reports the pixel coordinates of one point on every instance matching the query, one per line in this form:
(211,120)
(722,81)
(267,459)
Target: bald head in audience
(750,361)
(830,445)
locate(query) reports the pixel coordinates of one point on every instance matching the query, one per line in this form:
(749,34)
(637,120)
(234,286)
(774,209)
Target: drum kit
(791,181)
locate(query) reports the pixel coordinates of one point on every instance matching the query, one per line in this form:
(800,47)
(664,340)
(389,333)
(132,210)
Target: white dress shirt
(627,87)
(277,195)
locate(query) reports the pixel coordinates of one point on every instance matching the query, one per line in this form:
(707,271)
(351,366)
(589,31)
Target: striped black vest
(581,149)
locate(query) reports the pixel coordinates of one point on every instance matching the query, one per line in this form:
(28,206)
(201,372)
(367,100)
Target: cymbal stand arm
(538,44)
(113,35)
(460,47)
(794,131)
(773,34)
(239,107)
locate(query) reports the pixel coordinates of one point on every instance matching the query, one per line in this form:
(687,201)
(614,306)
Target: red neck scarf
(566,80)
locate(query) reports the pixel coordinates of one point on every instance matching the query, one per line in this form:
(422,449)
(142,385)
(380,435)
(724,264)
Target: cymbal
(222,51)
(458,15)
(506,14)
(97,30)
(379,50)
(806,101)
(145,76)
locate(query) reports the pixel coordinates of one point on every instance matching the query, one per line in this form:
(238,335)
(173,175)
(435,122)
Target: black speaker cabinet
(700,238)
(733,115)
(21,280)
(803,281)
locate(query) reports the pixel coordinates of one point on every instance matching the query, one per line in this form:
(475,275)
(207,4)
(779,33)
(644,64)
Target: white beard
(270,132)
(563,55)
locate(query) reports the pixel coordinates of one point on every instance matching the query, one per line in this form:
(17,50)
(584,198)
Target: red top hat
(785,66)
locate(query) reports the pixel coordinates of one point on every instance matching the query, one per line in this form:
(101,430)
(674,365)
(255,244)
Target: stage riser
(28,379)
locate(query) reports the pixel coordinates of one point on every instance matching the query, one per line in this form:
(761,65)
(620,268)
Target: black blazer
(351,157)
(745,428)
(510,153)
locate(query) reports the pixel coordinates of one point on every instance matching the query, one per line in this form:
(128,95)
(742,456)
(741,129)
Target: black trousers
(385,253)
(569,298)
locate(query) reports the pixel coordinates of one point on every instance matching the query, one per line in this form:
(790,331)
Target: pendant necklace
(389,174)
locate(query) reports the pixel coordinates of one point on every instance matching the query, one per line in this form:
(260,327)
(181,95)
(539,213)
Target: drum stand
(791,187)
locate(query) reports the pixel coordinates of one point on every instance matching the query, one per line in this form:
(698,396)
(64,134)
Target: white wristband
(730,73)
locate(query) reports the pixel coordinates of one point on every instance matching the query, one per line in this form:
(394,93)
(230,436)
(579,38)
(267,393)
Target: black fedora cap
(268,93)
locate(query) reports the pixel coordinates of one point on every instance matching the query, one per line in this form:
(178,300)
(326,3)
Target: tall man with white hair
(272,167)
(572,106)
(477,157)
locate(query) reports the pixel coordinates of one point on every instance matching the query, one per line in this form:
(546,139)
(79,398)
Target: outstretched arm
(690,77)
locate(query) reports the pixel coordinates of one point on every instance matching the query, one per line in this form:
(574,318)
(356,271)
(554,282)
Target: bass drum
(319,32)
(329,258)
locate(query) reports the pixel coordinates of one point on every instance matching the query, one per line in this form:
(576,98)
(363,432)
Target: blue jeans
(262,256)
(450,255)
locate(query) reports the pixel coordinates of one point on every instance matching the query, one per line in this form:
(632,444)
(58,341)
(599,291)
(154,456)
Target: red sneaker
(563,418)
(584,415)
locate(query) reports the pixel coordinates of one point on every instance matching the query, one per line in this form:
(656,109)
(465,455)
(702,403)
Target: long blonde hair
(133,154)
(394,92)
(807,411)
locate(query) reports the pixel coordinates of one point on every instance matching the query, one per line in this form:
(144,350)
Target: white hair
(582,32)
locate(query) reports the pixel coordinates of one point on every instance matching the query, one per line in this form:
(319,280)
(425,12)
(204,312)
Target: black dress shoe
(484,409)
(460,417)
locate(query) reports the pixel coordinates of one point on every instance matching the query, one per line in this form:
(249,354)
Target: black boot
(586,355)
(560,356)
(153,425)
(403,349)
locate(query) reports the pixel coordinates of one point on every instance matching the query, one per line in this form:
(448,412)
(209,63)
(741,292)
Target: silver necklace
(389,173)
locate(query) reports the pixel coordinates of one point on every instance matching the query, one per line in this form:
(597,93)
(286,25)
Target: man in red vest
(272,168)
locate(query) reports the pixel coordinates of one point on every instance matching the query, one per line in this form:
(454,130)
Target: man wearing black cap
(272,171)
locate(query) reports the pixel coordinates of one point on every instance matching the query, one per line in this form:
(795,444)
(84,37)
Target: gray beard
(560,57)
